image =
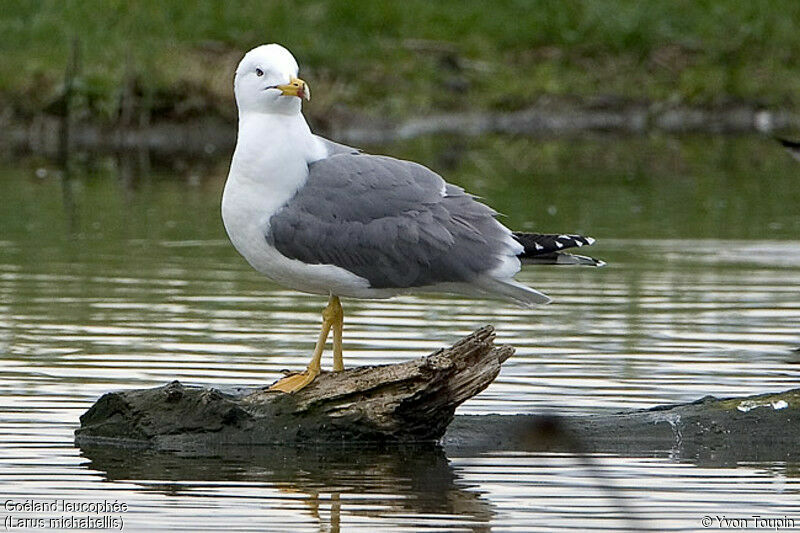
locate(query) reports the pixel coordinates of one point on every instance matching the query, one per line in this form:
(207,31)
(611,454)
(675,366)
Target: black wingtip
(545,243)
(792,145)
(562,258)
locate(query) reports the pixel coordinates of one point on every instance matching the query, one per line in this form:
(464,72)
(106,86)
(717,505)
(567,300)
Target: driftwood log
(414,402)
(406,402)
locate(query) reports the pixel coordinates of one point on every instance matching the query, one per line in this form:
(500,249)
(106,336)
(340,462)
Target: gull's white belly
(268,166)
(246,212)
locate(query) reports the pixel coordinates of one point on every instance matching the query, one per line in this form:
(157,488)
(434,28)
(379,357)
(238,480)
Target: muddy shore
(43,135)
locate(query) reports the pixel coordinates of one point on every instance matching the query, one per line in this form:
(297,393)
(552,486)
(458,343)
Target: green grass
(394,58)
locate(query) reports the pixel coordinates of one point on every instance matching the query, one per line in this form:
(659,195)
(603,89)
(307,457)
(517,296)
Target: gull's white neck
(272,147)
(269,165)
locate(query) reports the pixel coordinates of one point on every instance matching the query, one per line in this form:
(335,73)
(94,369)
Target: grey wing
(393,222)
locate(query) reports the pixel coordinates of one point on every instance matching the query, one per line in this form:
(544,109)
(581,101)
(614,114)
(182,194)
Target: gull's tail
(547,249)
(539,249)
(508,289)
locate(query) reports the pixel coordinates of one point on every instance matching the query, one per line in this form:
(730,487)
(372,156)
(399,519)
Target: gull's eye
(259,72)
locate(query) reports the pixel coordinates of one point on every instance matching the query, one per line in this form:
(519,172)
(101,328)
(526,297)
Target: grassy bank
(398,58)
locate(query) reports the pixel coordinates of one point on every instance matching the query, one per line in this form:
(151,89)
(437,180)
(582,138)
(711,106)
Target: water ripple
(658,325)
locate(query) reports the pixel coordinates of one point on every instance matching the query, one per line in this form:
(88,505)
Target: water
(115,275)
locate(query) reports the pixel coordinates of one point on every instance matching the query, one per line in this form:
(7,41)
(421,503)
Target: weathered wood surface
(414,402)
(406,402)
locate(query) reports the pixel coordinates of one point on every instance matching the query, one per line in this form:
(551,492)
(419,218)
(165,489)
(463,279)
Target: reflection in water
(70,209)
(329,480)
(111,279)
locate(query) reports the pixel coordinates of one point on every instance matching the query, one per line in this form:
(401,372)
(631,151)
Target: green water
(658,187)
(116,273)
(703,187)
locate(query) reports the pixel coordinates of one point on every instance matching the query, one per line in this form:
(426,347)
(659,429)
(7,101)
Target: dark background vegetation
(398,59)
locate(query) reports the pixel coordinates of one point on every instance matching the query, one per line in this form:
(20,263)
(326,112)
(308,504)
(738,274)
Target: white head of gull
(324,218)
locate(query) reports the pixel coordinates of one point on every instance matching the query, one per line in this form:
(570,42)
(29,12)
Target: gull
(324,218)
(793,147)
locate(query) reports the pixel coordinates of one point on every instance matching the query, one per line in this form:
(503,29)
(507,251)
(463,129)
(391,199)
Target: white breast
(269,165)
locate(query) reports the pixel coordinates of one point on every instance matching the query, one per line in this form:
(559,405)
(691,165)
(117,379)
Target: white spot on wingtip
(590,240)
(559,245)
(538,246)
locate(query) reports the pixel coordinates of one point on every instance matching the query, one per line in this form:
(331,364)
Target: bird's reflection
(400,479)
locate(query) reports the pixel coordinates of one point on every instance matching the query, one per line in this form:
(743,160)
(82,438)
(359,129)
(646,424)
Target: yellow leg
(338,325)
(331,316)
